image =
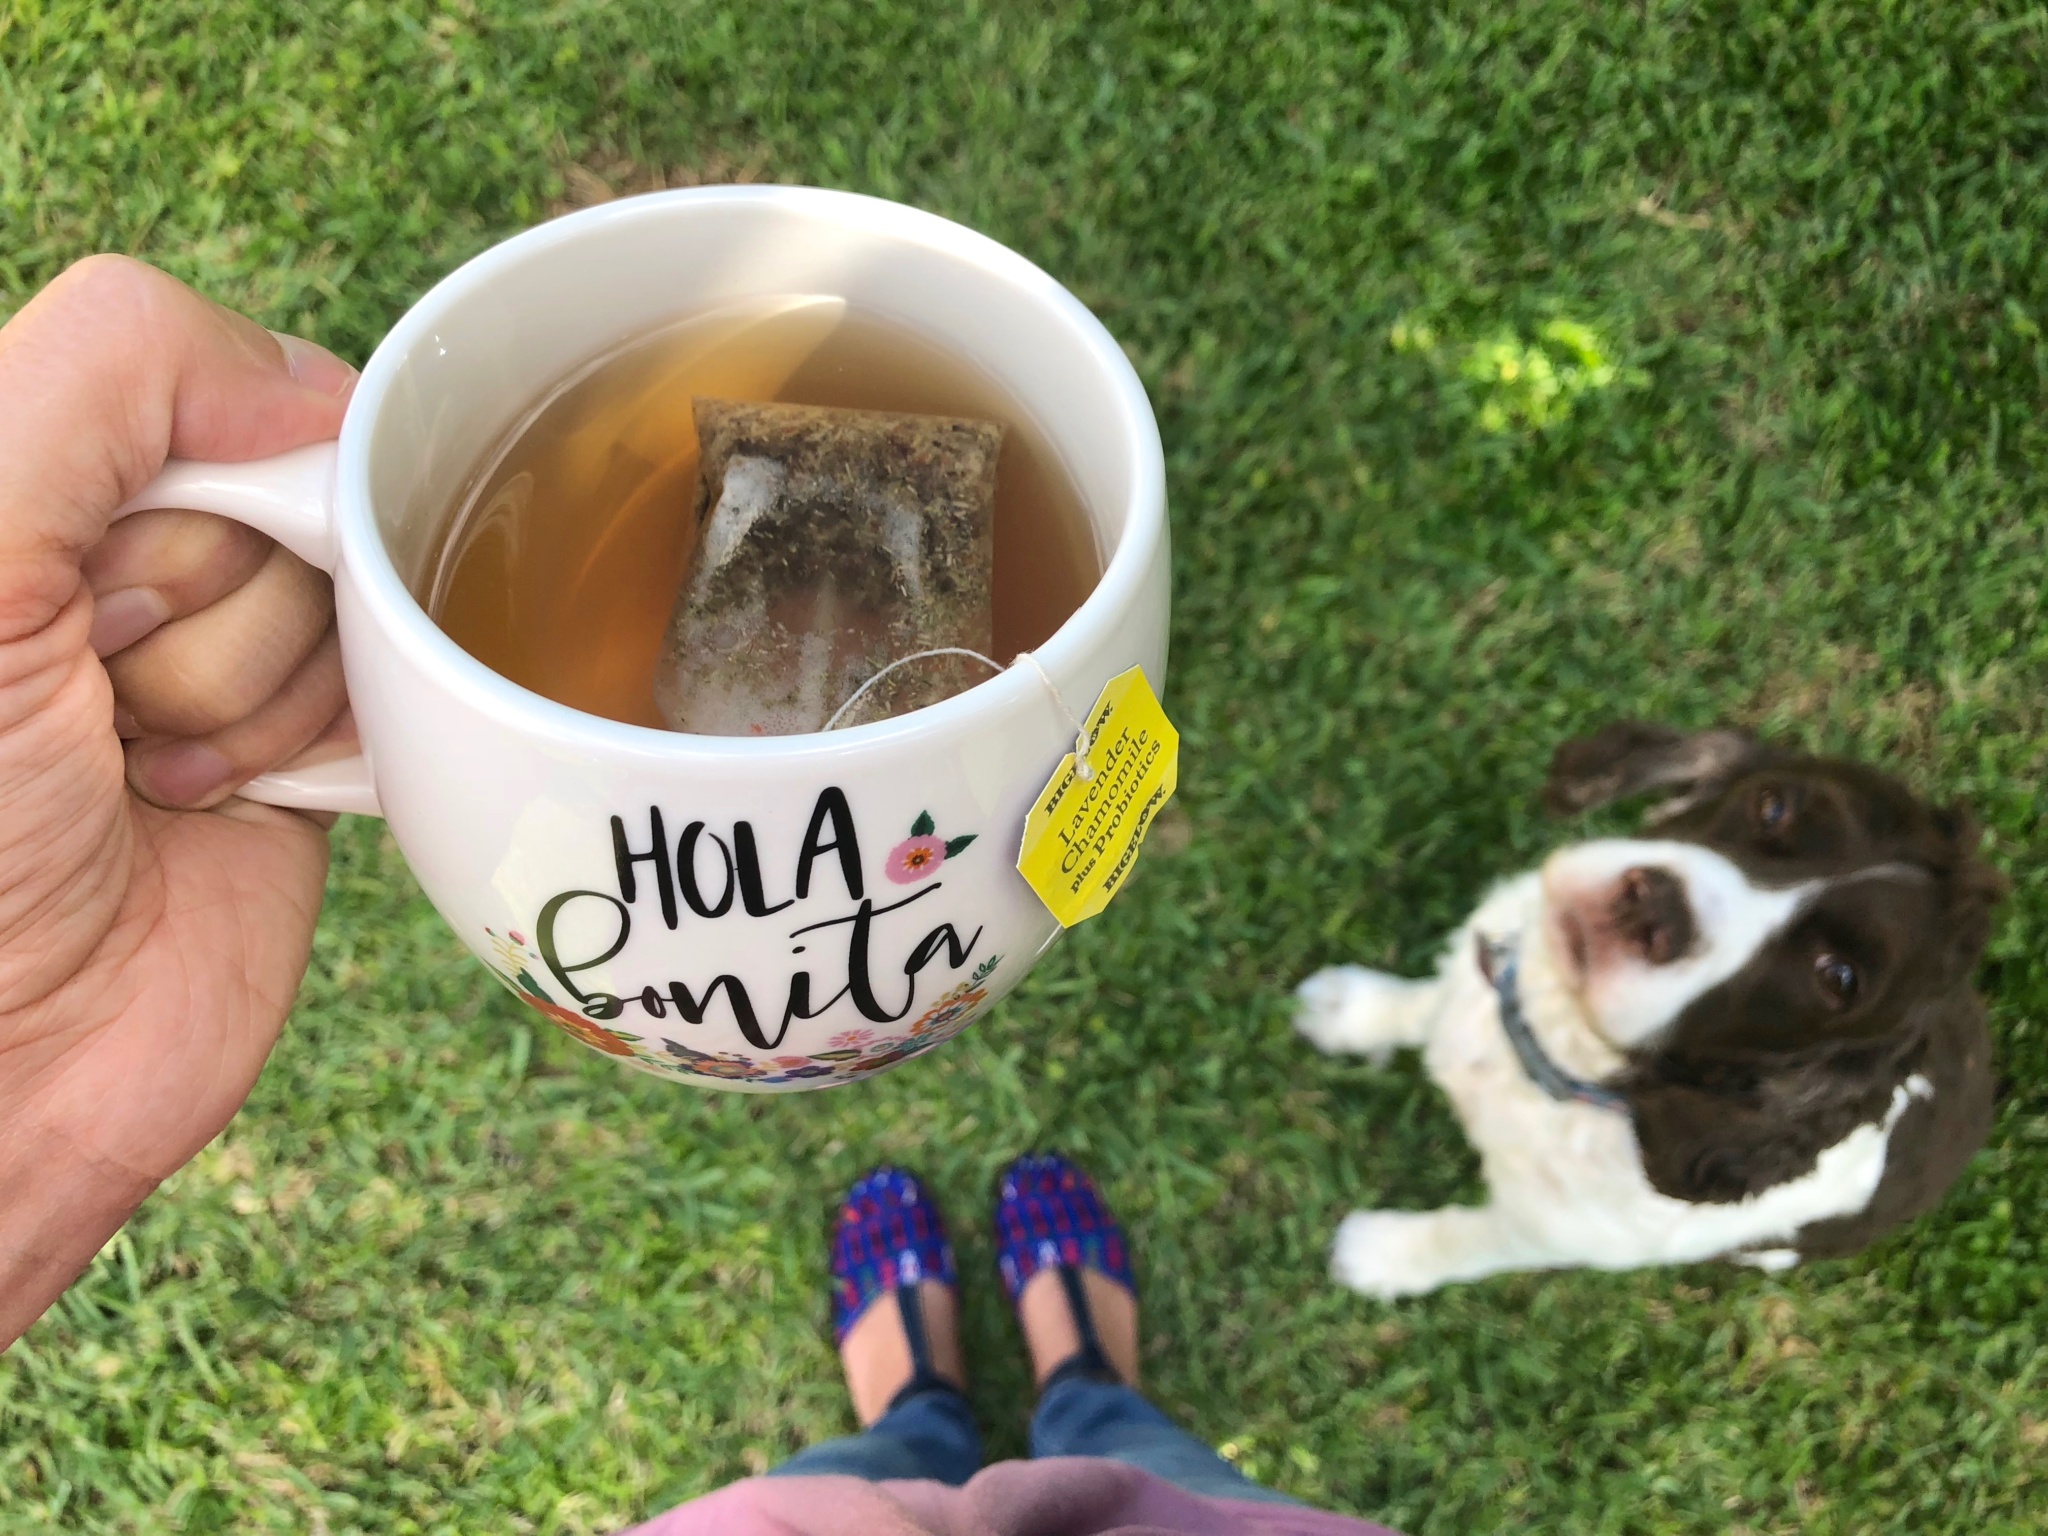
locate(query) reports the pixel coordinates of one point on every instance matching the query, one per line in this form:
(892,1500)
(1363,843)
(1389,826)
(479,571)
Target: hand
(153,930)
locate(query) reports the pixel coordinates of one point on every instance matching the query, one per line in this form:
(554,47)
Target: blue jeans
(931,1435)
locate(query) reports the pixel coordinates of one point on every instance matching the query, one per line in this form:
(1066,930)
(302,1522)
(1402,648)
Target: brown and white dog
(1752,1035)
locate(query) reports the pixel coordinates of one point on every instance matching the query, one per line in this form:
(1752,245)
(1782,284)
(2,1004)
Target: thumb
(111,369)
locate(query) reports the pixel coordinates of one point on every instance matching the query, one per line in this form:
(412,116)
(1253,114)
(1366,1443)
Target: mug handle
(291,498)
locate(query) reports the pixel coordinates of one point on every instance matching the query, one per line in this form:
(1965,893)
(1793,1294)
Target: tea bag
(831,543)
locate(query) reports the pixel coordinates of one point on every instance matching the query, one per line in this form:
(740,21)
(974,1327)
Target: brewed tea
(564,558)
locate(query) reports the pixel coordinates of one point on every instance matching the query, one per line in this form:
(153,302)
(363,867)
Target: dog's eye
(1773,811)
(1837,978)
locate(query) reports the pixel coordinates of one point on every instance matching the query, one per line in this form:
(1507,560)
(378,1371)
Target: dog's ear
(1629,758)
(1702,1146)
(1975,888)
(1715,1129)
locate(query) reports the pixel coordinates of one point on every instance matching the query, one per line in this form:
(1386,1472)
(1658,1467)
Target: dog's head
(1789,925)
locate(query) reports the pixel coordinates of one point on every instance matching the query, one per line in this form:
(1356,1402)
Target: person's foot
(1056,1238)
(890,1244)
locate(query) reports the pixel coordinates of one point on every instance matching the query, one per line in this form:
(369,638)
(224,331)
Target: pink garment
(1058,1496)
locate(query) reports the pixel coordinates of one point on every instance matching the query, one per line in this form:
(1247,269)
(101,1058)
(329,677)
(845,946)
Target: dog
(1748,1034)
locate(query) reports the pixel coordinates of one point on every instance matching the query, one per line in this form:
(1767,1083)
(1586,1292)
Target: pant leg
(1083,1417)
(930,1434)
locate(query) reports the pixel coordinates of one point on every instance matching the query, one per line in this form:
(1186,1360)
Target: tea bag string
(1083,769)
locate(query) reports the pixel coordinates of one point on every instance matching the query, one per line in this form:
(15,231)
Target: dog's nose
(1652,915)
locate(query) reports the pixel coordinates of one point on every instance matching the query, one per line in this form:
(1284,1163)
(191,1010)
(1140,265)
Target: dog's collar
(1498,963)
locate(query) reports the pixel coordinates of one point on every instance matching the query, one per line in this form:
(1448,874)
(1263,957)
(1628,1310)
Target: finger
(158,566)
(337,741)
(203,673)
(111,369)
(193,774)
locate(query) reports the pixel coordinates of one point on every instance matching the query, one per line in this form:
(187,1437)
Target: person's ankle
(1051,1334)
(876,1350)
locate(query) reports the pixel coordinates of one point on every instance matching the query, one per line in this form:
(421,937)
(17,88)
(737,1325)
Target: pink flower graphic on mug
(914,858)
(922,852)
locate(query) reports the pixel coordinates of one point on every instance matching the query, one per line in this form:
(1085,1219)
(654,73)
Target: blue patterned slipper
(1049,1215)
(890,1237)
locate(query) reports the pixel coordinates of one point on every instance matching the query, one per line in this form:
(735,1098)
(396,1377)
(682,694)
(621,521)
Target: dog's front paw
(1772,1261)
(1348,1008)
(1386,1254)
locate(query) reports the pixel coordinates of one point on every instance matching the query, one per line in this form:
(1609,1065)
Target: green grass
(1784,266)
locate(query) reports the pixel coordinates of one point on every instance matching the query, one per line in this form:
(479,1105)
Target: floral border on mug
(851,1054)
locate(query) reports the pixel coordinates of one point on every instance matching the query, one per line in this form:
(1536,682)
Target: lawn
(1521,363)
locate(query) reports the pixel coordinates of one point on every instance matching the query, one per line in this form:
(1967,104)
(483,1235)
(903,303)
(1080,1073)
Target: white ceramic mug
(759,914)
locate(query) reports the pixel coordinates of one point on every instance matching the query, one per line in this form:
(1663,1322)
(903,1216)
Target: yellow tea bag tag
(1081,839)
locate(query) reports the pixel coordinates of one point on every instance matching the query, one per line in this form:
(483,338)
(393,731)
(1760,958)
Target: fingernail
(186,773)
(121,618)
(314,366)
